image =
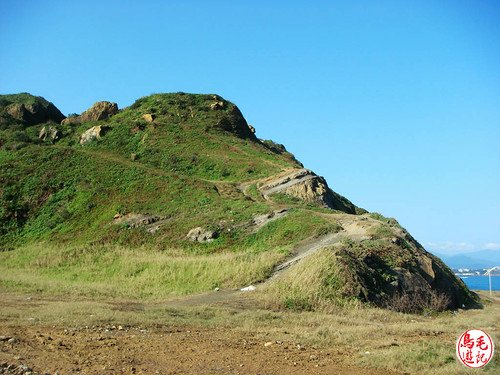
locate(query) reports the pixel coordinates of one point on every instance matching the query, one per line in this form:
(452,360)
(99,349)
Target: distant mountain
(474,260)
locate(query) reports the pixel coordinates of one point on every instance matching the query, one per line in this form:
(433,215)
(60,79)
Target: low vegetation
(184,161)
(117,272)
(358,334)
(181,162)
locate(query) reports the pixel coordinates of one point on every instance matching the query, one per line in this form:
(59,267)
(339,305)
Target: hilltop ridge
(186,174)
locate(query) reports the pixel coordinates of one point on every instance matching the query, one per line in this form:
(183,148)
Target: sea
(481,282)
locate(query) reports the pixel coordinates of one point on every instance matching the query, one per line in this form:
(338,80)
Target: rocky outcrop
(378,262)
(99,111)
(49,133)
(233,121)
(398,273)
(28,109)
(306,185)
(200,234)
(218,104)
(425,264)
(91,134)
(135,220)
(150,223)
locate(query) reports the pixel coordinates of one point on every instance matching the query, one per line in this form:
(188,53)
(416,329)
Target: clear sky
(396,103)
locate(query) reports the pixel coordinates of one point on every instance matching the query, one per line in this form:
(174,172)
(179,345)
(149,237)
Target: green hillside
(176,195)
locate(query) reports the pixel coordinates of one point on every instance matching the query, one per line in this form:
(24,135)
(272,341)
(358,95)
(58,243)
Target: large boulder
(49,133)
(91,134)
(99,111)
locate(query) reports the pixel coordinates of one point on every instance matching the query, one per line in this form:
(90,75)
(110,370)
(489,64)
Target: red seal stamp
(475,348)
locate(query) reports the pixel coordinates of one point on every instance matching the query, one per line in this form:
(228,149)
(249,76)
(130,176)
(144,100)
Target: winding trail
(236,298)
(306,248)
(287,178)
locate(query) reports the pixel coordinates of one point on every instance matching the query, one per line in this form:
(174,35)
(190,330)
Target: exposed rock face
(134,220)
(307,186)
(425,263)
(218,104)
(91,134)
(99,111)
(400,274)
(200,234)
(71,120)
(49,133)
(36,112)
(233,121)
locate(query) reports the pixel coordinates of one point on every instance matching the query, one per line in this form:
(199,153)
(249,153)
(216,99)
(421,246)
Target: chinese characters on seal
(475,348)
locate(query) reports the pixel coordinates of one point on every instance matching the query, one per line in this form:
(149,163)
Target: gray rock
(135,220)
(249,288)
(153,229)
(91,134)
(200,234)
(43,134)
(49,133)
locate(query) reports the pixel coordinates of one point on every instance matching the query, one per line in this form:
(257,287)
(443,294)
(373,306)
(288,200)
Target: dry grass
(112,271)
(372,337)
(317,283)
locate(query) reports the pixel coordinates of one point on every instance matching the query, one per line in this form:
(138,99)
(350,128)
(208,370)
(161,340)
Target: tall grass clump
(142,273)
(315,283)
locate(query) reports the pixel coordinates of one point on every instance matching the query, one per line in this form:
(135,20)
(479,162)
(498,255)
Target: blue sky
(396,103)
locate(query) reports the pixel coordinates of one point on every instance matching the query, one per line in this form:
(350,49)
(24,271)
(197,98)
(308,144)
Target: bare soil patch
(161,350)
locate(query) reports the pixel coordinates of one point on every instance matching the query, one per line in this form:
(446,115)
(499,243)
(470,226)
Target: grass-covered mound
(386,268)
(104,207)
(174,167)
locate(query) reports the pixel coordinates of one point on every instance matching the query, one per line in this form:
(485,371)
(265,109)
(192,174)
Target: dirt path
(236,298)
(351,230)
(307,248)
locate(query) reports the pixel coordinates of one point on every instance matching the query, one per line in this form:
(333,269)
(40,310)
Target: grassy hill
(102,204)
